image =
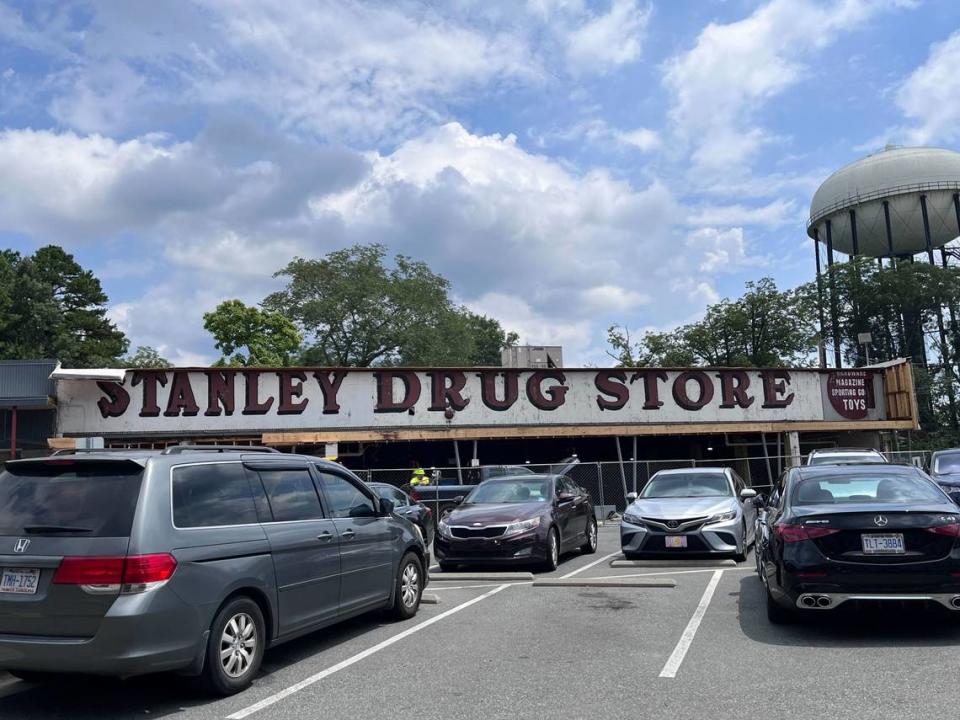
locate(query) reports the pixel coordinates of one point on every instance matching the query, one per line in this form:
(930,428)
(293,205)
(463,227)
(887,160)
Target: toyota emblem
(673,524)
(21,545)
(880,521)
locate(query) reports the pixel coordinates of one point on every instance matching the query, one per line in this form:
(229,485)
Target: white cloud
(598,132)
(721,250)
(733,69)
(612,298)
(610,40)
(930,96)
(774,214)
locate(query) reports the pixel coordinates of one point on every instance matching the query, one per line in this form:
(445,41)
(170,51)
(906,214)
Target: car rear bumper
(152,632)
(714,539)
(831,600)
(520,549)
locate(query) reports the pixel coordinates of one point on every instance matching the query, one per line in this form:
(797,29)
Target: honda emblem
(21,545)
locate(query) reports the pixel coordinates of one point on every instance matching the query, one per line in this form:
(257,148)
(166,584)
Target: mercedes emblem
(880,521)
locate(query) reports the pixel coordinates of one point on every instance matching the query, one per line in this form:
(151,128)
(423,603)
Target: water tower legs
(833,299)
(822,344)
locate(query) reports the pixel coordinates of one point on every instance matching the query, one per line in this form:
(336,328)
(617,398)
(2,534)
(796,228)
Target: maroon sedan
(527,519)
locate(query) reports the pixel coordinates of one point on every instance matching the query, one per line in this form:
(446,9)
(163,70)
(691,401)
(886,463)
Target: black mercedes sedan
(833,534)
(527,519)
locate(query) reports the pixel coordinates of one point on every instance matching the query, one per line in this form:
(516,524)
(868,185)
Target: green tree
(354,310)
(144,357)
(763,328)
(54,308)
(248,336)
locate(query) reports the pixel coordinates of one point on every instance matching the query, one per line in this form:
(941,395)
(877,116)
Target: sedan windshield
(687,485)
(947,463)
(865,488)
(839,458)
(513,490)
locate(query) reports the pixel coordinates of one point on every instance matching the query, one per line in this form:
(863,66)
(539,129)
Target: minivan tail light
(127,575)
(799,533)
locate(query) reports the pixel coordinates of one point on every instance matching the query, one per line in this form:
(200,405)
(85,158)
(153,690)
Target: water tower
(894,204)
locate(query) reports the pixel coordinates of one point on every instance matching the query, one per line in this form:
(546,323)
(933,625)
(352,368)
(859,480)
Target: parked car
(690,510)
(945,470)
(526,519)
(835,534)
(845,456)
(194,559)
(404,506)
(440,496)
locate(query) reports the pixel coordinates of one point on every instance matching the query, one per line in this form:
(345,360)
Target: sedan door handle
(325,537)
(348,534)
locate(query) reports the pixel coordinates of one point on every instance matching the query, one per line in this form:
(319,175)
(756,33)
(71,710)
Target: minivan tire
(244,613)
(408,587)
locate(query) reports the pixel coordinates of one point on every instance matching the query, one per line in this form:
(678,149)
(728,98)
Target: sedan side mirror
(747,493)
(458,499)
(631,496)
(386,506)
(565,497)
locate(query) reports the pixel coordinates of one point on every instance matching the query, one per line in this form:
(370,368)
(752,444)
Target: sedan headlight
(444,529)
(633,519)
(722,517)
(521,526)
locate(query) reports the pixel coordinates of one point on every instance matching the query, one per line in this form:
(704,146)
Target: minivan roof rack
(177,449)
(78,451)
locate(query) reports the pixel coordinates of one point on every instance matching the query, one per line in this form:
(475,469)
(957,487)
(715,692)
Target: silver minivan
(194,559)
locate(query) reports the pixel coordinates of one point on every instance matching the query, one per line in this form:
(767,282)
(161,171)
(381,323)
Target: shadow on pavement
(97,698)
(857,625)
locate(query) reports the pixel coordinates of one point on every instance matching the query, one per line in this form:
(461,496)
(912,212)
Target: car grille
(486,532)
(920,545)
(676,524)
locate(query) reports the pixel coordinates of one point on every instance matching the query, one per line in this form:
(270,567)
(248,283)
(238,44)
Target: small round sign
(847,391)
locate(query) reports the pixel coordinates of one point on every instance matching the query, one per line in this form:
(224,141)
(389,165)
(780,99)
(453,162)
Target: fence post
(600,484)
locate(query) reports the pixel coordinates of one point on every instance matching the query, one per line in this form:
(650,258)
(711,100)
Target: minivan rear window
(69,498)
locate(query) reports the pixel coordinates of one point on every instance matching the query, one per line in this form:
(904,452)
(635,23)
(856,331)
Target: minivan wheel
(409,588)
(590,546)
(235,647)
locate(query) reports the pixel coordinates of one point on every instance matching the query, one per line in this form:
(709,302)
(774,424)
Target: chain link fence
(609,483)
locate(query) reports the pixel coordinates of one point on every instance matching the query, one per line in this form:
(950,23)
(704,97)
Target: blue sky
(567,164)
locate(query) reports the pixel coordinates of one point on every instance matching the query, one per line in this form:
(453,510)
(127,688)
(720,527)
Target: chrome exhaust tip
(955,602)
(808,601)
(824,601)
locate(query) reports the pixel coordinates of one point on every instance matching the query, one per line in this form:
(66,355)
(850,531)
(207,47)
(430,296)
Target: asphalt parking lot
(703,648)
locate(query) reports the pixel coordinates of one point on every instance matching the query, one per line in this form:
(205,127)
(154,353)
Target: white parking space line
(472,587)
(587,567)
(680,651)
(671,572)
(297,687)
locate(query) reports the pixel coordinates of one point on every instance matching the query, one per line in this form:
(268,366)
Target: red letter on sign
(556,393)
(411,391)
(181,397)
(330,385)
(149,378)
(774,385)
(288,391)
(651,392)
(618,390)
(253,405)
(443,394)
(733,389)
(220,387)
(116,402)
(680,389)
(488,389)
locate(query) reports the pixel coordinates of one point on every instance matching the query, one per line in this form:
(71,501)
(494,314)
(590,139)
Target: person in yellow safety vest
(419,478)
